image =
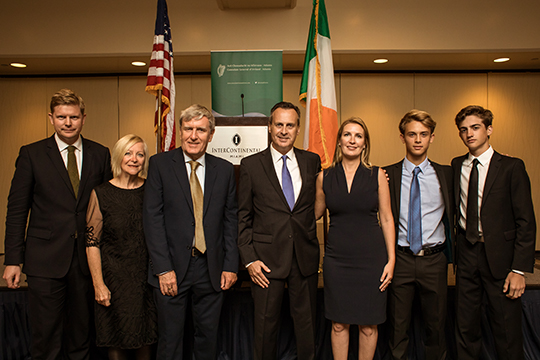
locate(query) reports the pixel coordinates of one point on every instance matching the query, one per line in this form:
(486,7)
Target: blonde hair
(66,97)
(364,156)
(417,115)
(119,150)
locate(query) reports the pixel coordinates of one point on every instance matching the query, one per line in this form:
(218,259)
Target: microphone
(242,96)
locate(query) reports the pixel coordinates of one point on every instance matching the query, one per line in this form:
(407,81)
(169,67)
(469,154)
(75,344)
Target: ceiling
(292,62)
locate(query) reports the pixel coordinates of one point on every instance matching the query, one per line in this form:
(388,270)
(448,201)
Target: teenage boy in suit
(496,236)
(424,241)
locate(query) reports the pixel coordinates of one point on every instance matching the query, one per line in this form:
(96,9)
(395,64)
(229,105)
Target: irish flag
(317,91)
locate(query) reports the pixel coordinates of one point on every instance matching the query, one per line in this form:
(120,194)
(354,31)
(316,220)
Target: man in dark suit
(53,180)
(277,235)
(190,222)
(421,256)
(495,241)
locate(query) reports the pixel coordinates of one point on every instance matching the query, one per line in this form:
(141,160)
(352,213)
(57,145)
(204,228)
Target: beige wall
(120,27)
(118,105)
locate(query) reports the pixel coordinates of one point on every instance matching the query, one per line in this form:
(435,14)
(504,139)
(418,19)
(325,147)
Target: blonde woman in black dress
(360,253)
(125,313)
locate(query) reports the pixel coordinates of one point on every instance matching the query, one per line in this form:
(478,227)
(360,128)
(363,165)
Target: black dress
(355,254)
(115,225)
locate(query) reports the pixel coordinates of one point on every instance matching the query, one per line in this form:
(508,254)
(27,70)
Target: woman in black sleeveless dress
(360,254)
(125,314)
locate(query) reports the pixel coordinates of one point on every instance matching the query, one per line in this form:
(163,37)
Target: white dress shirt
(201,169)
(466,167)
(63,148)
(432,204)
(292,165)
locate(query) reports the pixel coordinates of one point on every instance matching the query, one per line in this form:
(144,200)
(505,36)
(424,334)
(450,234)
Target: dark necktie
(73,170)
(414,226)
(286,183)
(472,205)
(198,202)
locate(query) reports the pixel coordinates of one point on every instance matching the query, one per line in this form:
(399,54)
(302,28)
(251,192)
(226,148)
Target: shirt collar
(482,159)
(276,155)
(63,146)
(201,160)
(409,166)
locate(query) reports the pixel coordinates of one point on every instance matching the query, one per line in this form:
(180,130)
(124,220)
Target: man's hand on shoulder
(255,270)
(514,285)
(12,275)
(227,280)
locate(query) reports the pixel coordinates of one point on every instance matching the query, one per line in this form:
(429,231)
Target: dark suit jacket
(267,229)
(507,215)
(41,185)
(169,223)
(444,173)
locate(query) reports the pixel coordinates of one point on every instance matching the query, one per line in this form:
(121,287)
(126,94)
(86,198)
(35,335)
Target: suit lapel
(269,169)
(87,164)
(457,180)
(442,182)
(58,162)
(180,171)
(395,174)
(302,165)
(493,170)
(209,181)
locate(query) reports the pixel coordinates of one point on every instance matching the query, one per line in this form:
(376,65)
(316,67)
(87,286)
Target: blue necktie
(414,226)
(286,183)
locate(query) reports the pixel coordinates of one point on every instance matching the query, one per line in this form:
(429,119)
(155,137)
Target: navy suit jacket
(268,230)
(506,213)
(169,223)
(41,185)
(444,174)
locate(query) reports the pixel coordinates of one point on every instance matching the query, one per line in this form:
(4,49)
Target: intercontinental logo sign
(233,143)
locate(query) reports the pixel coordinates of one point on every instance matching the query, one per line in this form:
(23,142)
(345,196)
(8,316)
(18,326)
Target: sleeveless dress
(115,226)
(355,253)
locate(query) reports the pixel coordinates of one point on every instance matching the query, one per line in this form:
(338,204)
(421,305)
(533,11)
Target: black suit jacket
(506,213)
(169,223)
(41,185)
(444,174)
(267,229)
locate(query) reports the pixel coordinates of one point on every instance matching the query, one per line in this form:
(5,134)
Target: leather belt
(463,232)
(423,252)
(196,253)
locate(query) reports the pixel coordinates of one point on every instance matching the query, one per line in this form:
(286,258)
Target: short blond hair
(417,115)
(119,150)
(66,97)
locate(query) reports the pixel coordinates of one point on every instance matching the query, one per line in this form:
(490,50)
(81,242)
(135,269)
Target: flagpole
(160,81)
(158,133)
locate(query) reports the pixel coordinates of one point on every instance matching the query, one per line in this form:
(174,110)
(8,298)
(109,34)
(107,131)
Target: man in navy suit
(190,224)
(53,180)
(423,270)
(277,234)
(496,238)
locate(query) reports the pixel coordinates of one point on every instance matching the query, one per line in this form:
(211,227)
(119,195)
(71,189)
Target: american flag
(161,77)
